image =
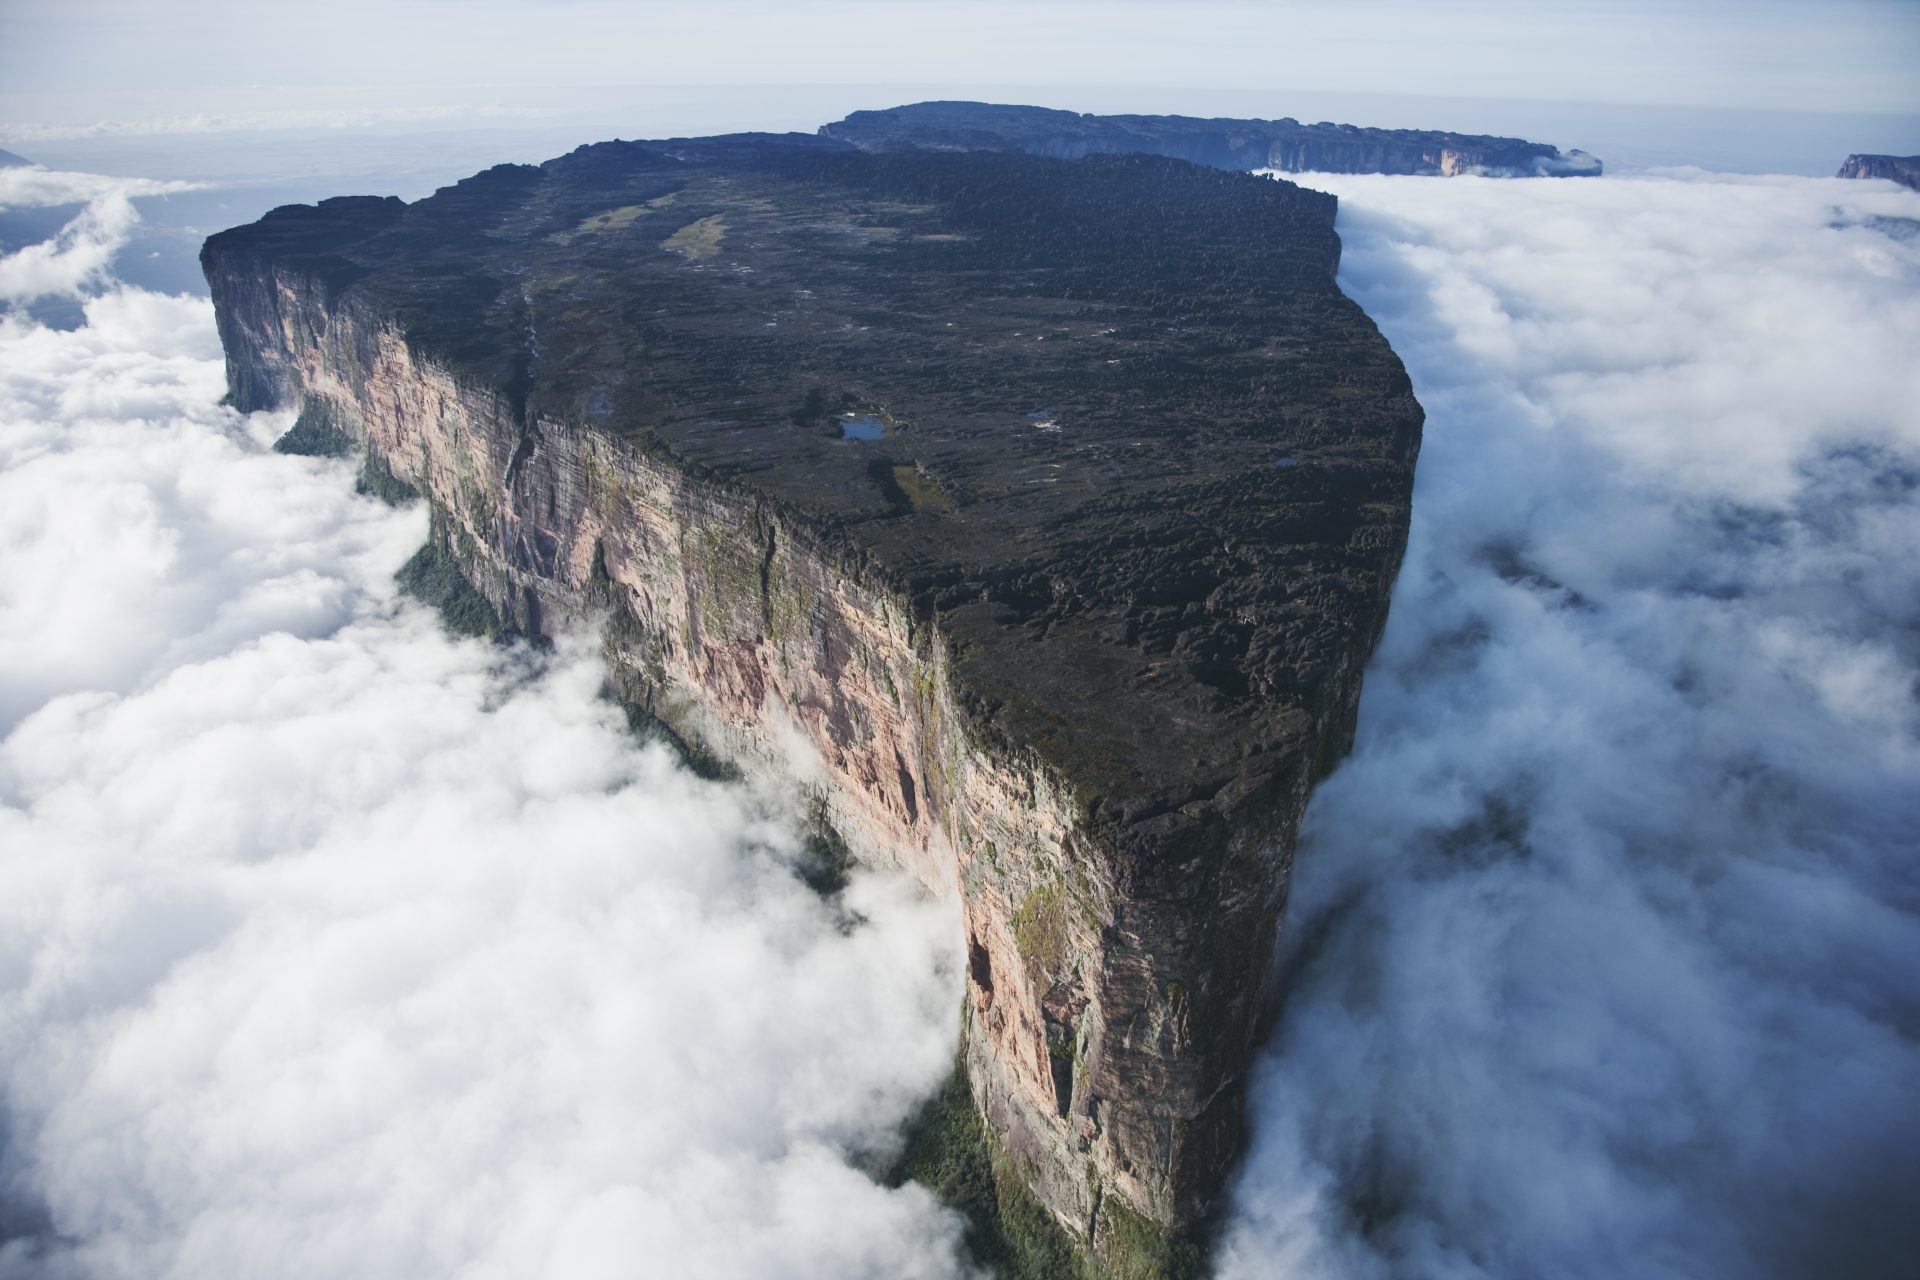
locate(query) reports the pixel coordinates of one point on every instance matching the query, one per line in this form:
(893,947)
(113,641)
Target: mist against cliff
(1602,948)
(333,947)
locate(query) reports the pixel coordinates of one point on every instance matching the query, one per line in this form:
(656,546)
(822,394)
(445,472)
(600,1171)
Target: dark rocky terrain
(1286,145)
(7,159)
(1054,504)
(1904,170)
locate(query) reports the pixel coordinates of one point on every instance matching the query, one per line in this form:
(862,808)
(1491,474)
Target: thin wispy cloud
(78,260)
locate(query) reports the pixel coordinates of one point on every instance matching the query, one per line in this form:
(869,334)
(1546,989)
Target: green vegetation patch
(920,489)
(1138,1248)
(699,239)
(612,219)
(907,487)
(698,758)
(376,480)
(1040,928)
(433,578)
(314,434)
(950,1153)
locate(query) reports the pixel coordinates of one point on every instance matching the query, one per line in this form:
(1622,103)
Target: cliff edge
(1040,514)
(1285,145)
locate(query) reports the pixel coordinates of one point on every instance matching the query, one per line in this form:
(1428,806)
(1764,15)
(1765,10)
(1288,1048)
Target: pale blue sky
(1843,55)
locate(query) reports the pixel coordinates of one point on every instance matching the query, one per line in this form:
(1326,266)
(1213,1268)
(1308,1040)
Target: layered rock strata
(1039,516)
(1904,170)
(1285,145)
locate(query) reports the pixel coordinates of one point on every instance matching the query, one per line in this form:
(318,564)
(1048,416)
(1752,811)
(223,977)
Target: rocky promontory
(1904,170)
(1037,517)
(1285,145)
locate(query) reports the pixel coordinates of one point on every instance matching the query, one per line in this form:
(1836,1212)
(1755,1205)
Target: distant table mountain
(1904,170)
(1286,145)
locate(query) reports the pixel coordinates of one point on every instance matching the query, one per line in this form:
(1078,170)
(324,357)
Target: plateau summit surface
(1039,515)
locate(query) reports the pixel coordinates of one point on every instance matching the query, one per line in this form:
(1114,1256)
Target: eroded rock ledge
(1043,512)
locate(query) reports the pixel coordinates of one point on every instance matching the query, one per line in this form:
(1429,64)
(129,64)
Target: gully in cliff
(1061,629)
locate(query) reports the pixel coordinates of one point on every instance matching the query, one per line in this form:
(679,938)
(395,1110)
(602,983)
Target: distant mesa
(9,160)
(1285,145)
(1904,170)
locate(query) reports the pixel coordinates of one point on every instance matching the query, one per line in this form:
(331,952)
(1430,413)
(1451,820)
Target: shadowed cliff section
(1285,145)
(1053,506)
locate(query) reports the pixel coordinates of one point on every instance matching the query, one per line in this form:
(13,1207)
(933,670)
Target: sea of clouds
(1604,947)
(330,946)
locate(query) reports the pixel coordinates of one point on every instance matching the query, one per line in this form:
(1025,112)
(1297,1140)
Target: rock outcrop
(1285,145)
(1904,170)
(1039,516)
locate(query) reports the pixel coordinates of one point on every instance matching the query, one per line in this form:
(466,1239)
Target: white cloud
(73,262)
(329,946)
(1603,940)
(32,186)
(79,259)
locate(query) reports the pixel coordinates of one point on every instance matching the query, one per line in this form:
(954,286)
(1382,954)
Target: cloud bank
(1603,944)
(329,946)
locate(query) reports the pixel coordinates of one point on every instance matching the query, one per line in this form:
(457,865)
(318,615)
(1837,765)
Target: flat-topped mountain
(1041,514)
(1285,145)
(1904,170)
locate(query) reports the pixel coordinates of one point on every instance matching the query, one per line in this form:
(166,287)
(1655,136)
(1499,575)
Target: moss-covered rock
(951,1152)
(314,434)
(377,480)
(433,578)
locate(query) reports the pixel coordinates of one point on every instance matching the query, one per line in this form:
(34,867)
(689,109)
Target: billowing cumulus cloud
(329,946)
(1603,944)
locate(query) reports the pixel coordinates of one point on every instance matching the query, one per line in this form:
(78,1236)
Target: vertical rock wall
(1115,980)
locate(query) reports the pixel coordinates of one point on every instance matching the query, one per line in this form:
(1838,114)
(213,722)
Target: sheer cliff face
(1904,170)
(1285,145)
(1018,663)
